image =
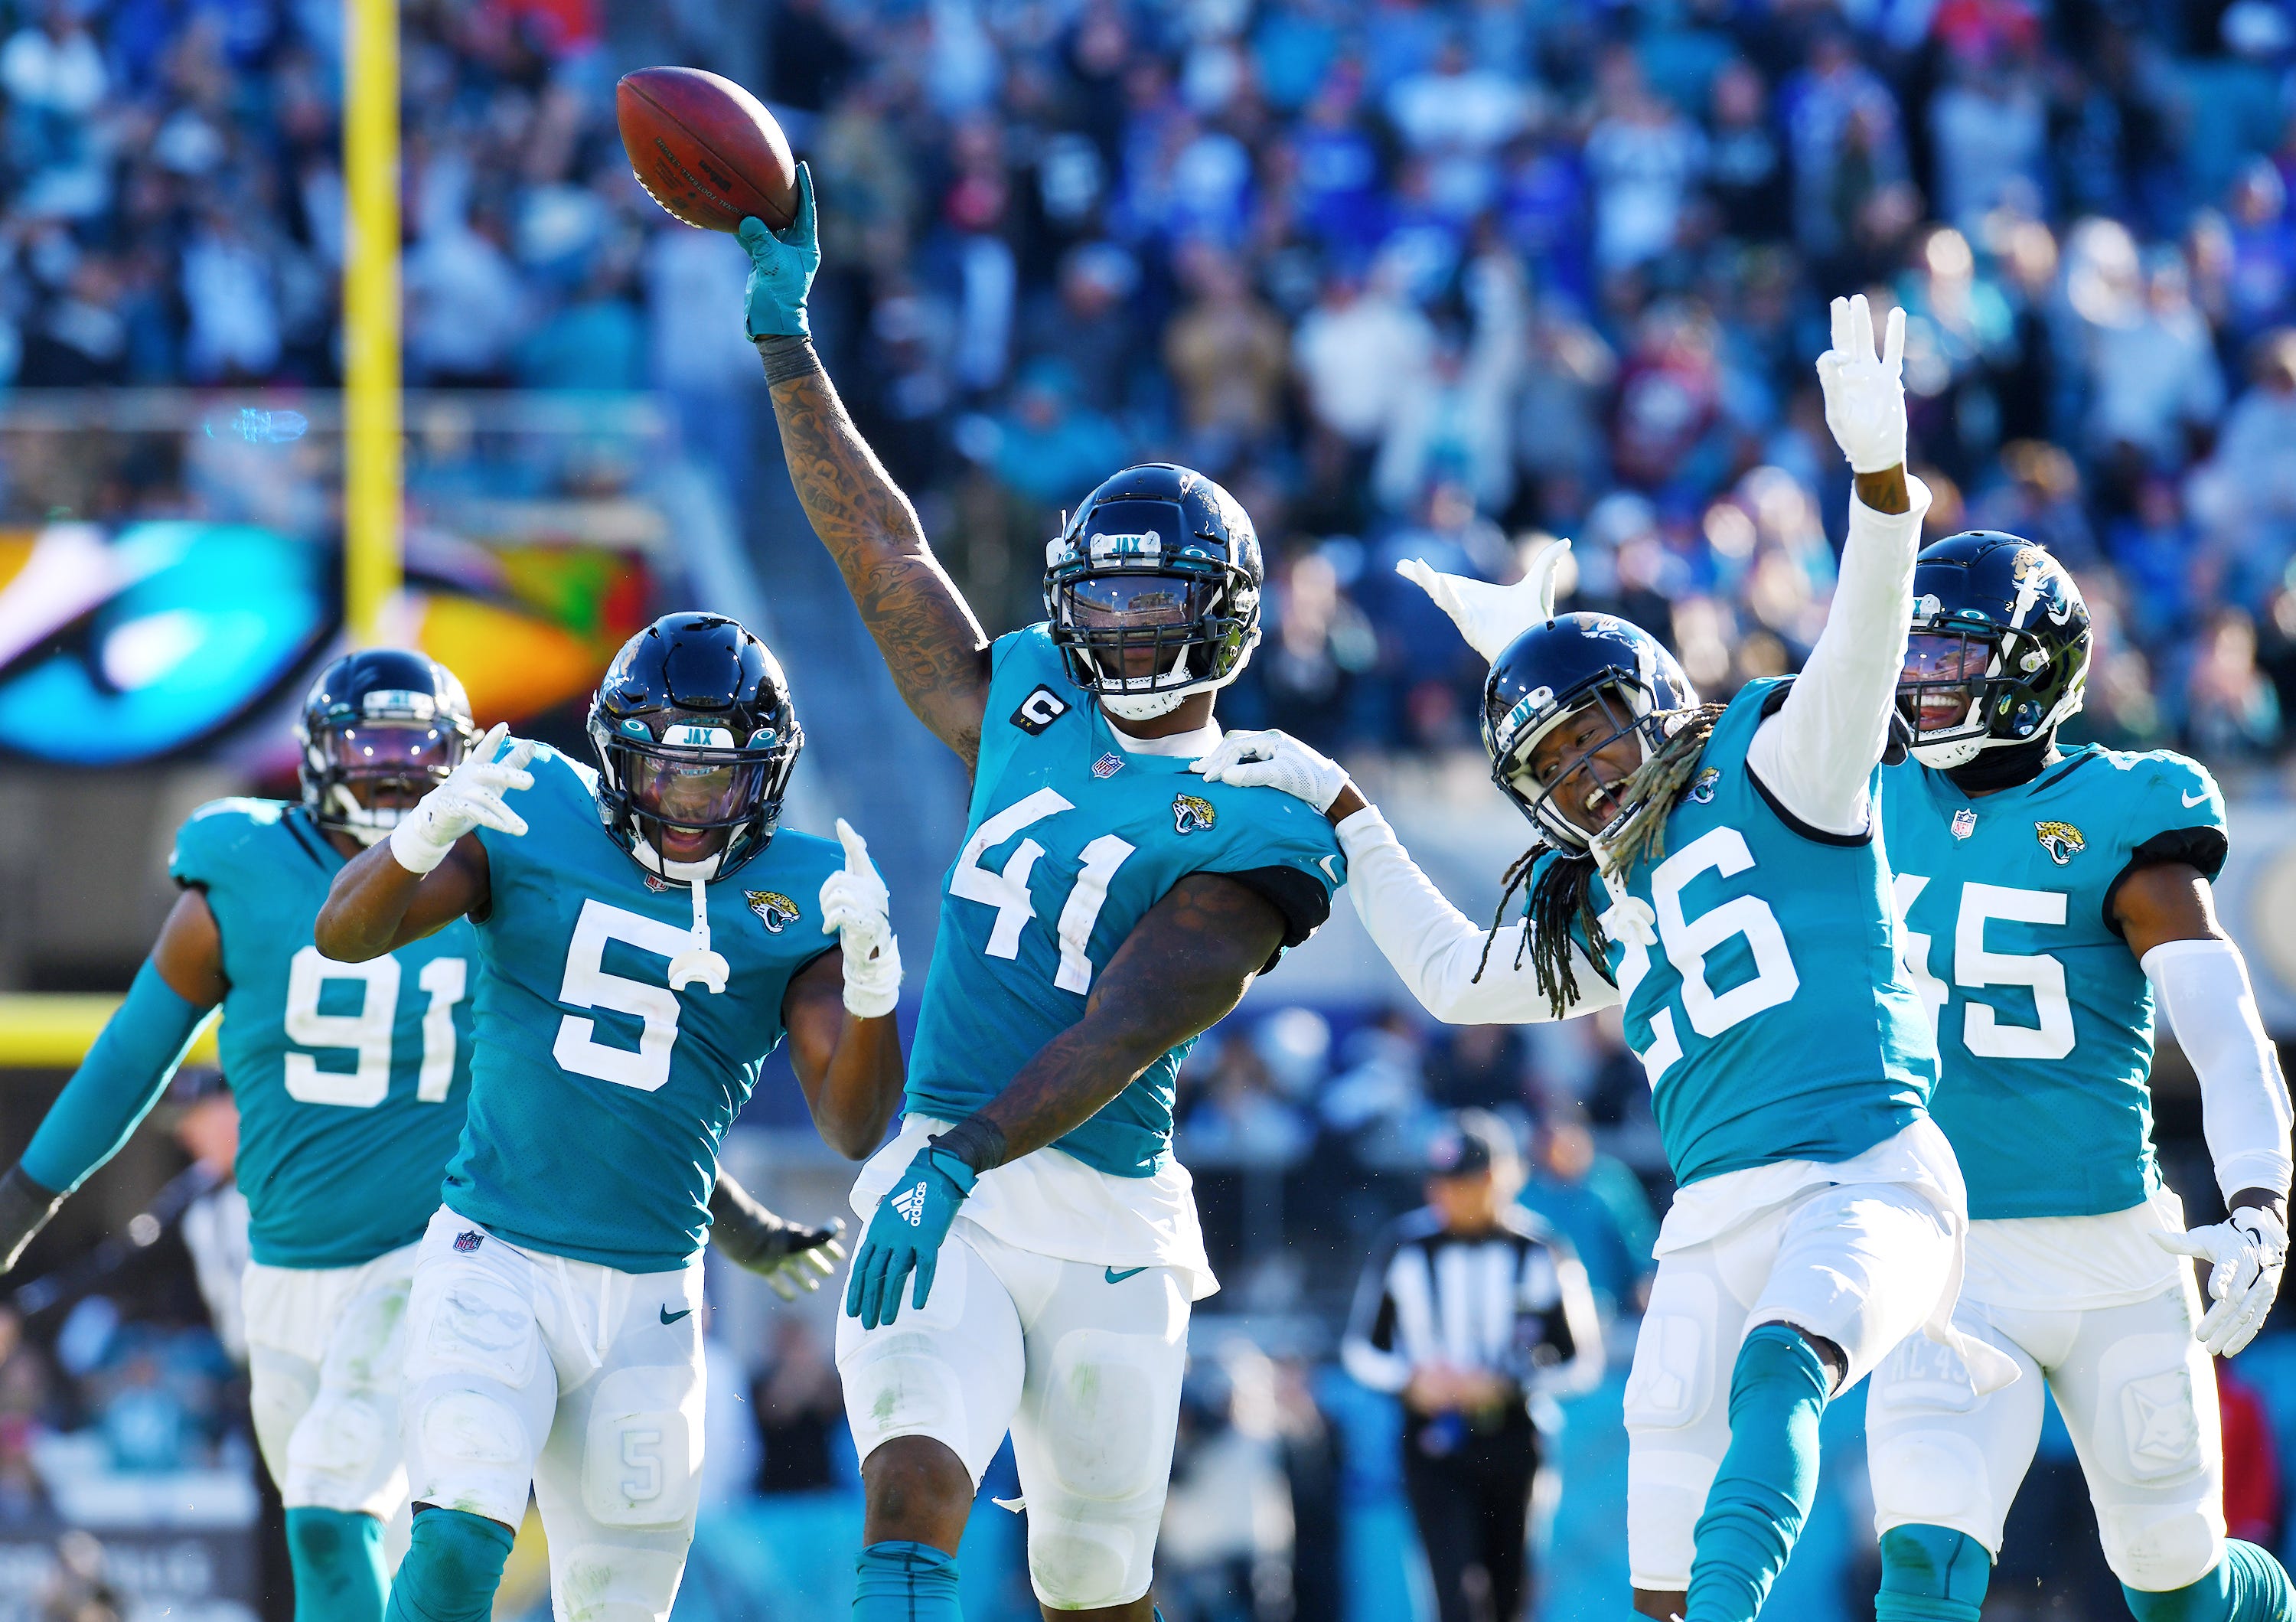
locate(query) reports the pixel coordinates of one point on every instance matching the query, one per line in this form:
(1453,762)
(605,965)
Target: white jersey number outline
(1975,968)
(368,1032)
(1688,941)
(587,984)
(1008,891)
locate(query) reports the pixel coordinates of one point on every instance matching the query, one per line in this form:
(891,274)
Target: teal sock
(1932,1574)
(452,1567)
(1768,1479)
(2246,1585)
(904,1582)
(337,1559)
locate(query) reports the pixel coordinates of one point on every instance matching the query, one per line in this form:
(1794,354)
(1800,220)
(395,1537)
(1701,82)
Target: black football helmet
(1560,667)
(379,729)
(1999,650)
(1152,589)
(695,736)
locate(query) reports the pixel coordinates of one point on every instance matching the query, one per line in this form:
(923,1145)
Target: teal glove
(781,264)
(906,1233)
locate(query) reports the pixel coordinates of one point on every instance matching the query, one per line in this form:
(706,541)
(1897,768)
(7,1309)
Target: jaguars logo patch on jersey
(2061,840)
(1191,813)
(775,909)
(1701,787)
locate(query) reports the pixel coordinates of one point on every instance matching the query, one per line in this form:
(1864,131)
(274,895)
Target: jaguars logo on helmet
(2061,840)
(1999,651)
(1191,813)
(775,909)
(1152,589)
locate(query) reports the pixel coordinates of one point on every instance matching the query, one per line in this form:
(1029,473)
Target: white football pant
(326,1350)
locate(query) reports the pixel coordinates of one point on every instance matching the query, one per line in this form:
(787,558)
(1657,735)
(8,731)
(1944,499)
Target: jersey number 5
(1008,891)
(367,1032)
(1983,1031)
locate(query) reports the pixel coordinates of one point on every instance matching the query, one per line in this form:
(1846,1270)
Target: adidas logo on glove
(910,1206)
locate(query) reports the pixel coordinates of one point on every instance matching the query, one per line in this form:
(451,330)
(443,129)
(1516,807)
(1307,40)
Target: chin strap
(2004,768)
(697,962)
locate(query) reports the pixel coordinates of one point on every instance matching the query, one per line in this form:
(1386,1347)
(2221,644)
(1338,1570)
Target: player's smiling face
(1141,603)
(669,791)
(1941,679)
(1584,762)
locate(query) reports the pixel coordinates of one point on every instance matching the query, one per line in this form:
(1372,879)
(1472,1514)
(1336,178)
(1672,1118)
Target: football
(705,149)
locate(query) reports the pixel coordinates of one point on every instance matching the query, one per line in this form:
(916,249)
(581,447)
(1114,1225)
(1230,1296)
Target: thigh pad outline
(479,1325)
(641,1458)
(1672,1381)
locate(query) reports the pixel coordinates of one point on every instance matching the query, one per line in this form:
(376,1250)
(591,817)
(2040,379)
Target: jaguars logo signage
(1703,786)
(775,909)
(2061,840)
(1190,813)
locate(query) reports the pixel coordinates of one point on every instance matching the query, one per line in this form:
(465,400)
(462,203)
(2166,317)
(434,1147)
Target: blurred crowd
(1414,277)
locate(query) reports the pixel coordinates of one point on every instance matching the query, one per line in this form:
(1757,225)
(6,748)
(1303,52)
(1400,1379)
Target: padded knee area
(2159,1549)
(1932,1574)
(337,1559)
(454,1564)
(904,1582)
(2246,1585)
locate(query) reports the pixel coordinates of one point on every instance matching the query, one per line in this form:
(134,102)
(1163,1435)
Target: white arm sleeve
(1435,946)
(2203,990)
(1817,754)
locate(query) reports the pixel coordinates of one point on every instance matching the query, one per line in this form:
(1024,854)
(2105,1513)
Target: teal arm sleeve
(115,1088)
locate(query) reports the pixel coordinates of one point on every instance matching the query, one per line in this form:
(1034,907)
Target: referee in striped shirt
(1469,1308)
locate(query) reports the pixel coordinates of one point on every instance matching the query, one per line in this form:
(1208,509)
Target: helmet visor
(689,791)
(1135,625)
(1943,681)
(389,764)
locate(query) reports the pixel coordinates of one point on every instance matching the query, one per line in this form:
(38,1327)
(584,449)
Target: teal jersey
(598,1096)
(1772,1017)
(2043,1015)
(1069,840)
(350,1079)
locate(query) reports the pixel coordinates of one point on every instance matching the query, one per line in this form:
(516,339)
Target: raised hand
(855,906)
(1489,617)
(782,266)
(471,798)
(1865,394)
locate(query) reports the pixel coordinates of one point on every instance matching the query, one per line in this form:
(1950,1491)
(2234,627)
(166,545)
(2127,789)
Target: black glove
(25,1208)
(778,1251)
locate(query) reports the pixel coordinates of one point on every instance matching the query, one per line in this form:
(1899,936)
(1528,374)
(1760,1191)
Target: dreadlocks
(1562,893)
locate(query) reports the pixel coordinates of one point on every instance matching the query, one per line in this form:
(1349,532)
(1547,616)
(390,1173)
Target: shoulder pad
(215,834)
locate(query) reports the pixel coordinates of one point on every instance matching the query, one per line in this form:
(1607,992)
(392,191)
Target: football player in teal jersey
(2050,895)
(1713,871)
(551,1331)
(1032,1247)
(350,1082)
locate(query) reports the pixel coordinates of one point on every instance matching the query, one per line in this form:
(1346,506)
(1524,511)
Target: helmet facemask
(1969,685)
(1144,614)
(364,774)
(692,805)
(1568,759)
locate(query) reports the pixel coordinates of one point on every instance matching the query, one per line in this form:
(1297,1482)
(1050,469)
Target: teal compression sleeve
(115,1088)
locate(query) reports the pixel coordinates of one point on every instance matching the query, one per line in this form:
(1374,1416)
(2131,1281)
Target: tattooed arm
(930,641)
(1185,965)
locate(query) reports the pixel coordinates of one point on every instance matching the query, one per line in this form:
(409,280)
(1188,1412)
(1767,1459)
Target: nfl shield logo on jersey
(1964,822)
(1107,766)
(469,1240)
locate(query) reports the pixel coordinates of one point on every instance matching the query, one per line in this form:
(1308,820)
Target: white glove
(2248,1250)
(471,798)
(1865,397)
(1273,760)
(1489,617)
(854,906)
